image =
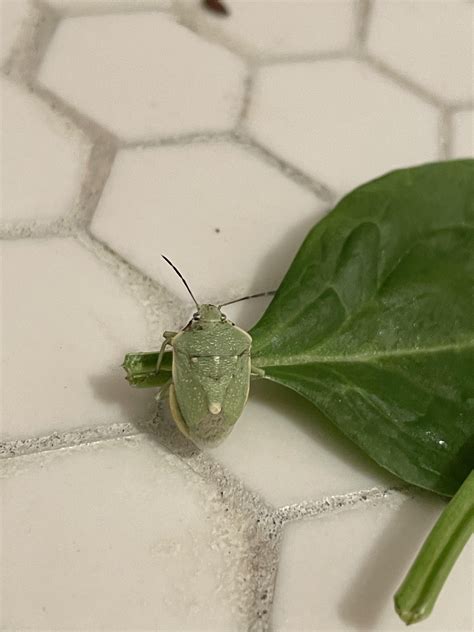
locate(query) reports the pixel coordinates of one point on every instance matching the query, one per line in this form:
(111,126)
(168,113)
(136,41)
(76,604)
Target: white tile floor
(131,128)
(380,125)
(129,102)
(47,188)
(75,322)
(216,188)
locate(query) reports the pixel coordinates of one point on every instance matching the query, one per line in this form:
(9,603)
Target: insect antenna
(182,279)
(244,298)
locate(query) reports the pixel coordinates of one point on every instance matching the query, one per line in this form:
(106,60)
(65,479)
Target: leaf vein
(362,357)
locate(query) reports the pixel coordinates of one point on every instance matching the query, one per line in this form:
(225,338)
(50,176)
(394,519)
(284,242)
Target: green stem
(141,369)
(417,595)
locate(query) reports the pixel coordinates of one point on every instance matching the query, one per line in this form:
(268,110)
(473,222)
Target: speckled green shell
(211,377)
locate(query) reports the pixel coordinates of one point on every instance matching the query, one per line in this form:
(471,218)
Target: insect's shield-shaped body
(210,376)
(210,371)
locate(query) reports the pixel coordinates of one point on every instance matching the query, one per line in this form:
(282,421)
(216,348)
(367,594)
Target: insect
(210,373)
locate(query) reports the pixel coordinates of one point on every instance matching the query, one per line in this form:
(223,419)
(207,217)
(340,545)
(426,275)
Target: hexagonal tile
(340,571)
(430,55)
(67,324)
(44,158)
(281,28)
(231,223)
(153,77)
(463,134)
(341,121)
(285,450)
(117,536)
(13,14)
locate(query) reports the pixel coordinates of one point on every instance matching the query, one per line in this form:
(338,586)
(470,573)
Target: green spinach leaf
(374,322)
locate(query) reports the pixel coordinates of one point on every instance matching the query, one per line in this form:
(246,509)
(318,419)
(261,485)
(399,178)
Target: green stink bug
(210,373)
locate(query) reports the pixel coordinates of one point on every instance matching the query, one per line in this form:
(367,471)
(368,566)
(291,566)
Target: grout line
(242,139)
(102,150)
(265,575)
(303,58)
(180,140)
(261,525)
(59,440)
(192,17)
(22,66)
(89,126)
(36,229)
(162,309)
(97,171)
(302,179)
(403,82)
(184,14)
(24,61)
(246,95)
(189,16)
(363,14)
(95,166)
(445,134)
(461,106)
(80,10)
(333,504)
(262,531)
(118,264)
(30,47)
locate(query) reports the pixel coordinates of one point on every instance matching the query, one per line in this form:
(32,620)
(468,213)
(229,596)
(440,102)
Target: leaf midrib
(352,316)
(263,361)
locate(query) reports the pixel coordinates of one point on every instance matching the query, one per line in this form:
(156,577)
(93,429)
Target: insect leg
(176,413)
(168,336)
(256,372)
(163,393)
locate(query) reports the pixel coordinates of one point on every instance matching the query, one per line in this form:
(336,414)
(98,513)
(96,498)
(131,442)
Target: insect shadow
(163,430)
(143,412)
(302,416)
(135,406)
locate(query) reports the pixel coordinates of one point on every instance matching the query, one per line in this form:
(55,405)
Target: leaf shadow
(296,408)
(278,259)
(271,271)
(377,579)
(316,427)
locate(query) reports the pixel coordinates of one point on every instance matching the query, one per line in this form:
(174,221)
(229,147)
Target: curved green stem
(417,595)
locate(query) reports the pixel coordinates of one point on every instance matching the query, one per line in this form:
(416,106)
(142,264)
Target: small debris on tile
(216,6)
